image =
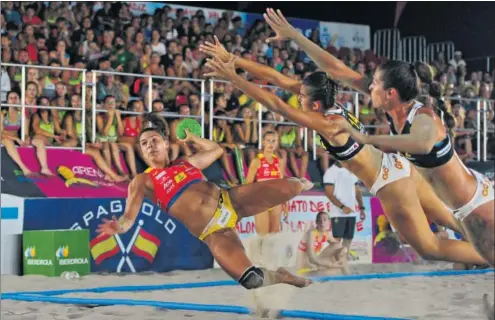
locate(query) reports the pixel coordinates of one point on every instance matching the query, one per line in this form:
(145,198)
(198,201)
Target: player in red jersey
(208,212)
(267,166)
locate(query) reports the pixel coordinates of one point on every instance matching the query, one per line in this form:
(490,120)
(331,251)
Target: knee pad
(252,278)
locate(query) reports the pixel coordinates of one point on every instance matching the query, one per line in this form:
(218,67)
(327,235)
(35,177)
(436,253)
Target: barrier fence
(482,107)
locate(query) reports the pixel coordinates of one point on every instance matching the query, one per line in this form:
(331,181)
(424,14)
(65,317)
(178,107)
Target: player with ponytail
(418,133)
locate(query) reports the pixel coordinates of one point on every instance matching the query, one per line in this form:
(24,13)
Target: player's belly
(452,183)
(196,206)
(365,165)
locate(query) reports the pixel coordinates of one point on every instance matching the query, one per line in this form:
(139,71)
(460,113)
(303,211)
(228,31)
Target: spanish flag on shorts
(103,247)
(146,245)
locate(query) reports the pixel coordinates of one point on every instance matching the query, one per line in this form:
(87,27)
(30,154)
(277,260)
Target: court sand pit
(416,297)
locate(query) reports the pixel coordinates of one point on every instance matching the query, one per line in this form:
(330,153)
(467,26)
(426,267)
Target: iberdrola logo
(30,252)
(30,255)
(62,252)
(62,255)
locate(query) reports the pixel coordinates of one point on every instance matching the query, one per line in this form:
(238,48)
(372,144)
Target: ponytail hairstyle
(154,122)
(425,74)
(321,88)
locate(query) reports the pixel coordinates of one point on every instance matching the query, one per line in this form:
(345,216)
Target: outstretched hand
(109,227)
(279,24)
(216,51)
(221,70)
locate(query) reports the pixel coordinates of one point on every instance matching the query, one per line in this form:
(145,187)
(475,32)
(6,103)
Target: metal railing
(23,105)
(481,108)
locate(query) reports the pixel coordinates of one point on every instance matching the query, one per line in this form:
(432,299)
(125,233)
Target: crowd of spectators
(113,39)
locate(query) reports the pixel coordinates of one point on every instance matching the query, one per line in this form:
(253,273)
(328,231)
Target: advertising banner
(52,252)
(302,215)
(156,242)
(345,35)
(12,214)
(75,175)
(387,245)
(14,182)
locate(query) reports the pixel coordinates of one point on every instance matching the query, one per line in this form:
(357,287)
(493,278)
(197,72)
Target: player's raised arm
(335,68)
(259,71)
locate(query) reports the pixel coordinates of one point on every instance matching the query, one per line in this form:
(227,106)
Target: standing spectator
(457,61)
(342,190)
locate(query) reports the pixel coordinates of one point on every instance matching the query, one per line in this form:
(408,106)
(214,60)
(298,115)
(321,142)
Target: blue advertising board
(156,242)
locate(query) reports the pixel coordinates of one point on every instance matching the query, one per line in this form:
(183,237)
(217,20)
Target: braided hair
(425,74)
(321,88)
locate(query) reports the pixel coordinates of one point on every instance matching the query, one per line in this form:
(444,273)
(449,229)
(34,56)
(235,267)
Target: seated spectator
(462,140)
(33,75)
(138,47)
(10,128)
(145,60)
(292,141)
(45,130)
(159,106)
(245,133)
(50,81)
(319,252)
(185,150)
(177,69)
(321,152)
(222,134)
(109,126)
(72,139)
(107,86)
(72,124)
(156,44)
(155,68)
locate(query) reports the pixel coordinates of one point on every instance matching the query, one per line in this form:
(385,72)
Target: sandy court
(451,297)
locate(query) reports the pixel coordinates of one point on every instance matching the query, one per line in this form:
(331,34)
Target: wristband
(362,208)
(342,207)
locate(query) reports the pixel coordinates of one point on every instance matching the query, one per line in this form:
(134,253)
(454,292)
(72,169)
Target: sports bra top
(441,153)
(169,183)
(12,126)
(268,170)
(351,147)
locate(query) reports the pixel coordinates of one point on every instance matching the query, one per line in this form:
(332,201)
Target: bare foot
(26,172)
(307,185)
(288,278)
(46,172)
(121,178)
(108,178)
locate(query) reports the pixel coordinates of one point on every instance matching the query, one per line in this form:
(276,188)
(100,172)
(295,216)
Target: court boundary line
(188,306)
(222,283)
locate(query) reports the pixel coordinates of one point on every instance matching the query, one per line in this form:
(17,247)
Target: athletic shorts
(394,167)
(484,193)
(225,216)
(343,227)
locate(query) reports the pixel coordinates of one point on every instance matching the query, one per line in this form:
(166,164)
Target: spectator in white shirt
(344,193)
(5,86)
(457,62)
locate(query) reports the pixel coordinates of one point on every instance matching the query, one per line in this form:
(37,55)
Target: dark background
(470,25)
